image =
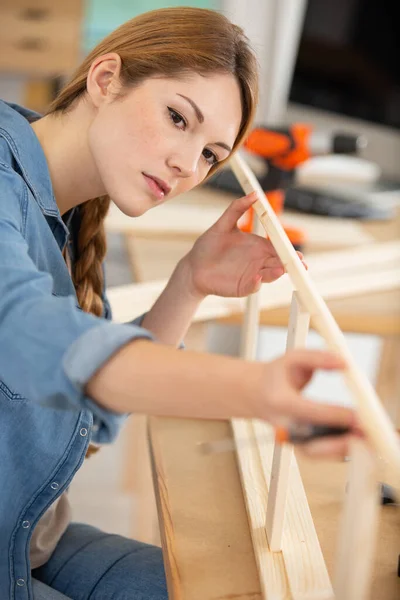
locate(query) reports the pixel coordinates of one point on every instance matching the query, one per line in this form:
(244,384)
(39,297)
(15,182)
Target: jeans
(89,564)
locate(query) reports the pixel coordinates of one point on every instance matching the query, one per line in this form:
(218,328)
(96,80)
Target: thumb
(235,210)
(303,363)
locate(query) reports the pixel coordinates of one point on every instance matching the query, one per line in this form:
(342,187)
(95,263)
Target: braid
(167,42)
(87,271)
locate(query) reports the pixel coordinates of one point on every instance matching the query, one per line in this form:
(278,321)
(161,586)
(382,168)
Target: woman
(158,106)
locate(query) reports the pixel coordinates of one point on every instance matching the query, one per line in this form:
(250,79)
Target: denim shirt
(49,349)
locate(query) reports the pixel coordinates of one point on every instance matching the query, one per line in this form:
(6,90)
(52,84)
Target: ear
(103,80)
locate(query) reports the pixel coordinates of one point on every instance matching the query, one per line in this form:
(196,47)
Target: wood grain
(374,420)
(299,322)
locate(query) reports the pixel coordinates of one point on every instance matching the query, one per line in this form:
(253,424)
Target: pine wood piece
(249,334)
(388,377)
(283,453)
(199,497)
(129,301)
(43,46)
(271,568)
(299,571)
(359,527)
(211,535)
(188,216)
(373,417)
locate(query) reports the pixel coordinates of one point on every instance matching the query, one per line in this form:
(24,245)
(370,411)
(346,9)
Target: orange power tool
(284,149)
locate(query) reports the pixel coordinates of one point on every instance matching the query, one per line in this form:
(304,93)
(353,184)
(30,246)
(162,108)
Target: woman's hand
(283,403)
(225,261)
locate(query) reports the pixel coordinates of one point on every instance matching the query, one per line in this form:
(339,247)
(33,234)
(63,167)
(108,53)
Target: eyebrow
(200,118)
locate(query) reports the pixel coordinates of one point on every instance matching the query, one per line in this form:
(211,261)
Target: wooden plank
(283,453)
(373,417)
(299,571)
(359,527)
(388,377)
(377,314)
(271,568)
(128,301)
(188,216)
(199,498)
(301,551)
(40,38)
(212,543)
(249,333)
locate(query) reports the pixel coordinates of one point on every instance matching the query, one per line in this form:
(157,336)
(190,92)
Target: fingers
(315,359)
(307,411)
(301,364)
(230,217)
(329,447)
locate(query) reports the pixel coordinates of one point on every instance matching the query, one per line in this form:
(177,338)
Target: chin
(130,208)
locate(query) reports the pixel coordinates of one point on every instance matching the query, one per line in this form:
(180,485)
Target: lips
(159,187)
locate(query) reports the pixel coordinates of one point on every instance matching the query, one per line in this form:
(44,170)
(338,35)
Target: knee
(138,575)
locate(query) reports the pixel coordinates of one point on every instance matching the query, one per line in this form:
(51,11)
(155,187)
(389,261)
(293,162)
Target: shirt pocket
(8,394)
(65,296)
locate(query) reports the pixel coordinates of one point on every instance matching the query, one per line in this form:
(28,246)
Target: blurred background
(328,65)
(334,61)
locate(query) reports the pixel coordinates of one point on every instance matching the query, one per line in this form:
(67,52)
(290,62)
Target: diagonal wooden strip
(373,417)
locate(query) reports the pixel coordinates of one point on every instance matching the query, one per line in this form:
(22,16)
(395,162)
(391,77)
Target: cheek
(117,143)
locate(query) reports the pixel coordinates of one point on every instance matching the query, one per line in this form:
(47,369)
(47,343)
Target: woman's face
(162,138)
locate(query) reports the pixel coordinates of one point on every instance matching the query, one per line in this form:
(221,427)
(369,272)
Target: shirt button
(25,524)
(83,431)
(20,582)
(55,485)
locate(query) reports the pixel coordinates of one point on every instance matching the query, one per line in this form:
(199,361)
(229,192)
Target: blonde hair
(167,42)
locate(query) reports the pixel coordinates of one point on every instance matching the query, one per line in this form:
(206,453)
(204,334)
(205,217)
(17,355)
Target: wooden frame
(283,571)
(337,274)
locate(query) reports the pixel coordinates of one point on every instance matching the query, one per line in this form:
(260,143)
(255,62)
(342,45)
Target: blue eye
(177,119)
(210,157)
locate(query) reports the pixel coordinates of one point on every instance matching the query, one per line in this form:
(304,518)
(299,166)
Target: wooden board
(193,213)
(199,499)
(335,277)
(299,571)
(378,429)
(210,544)
(40,37)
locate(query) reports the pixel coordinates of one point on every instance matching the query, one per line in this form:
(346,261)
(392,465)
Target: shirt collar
(15,127)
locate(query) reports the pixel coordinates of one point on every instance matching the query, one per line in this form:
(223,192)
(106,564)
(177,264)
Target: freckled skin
(138,133)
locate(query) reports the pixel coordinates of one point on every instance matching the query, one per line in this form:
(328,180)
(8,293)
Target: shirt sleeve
(49,348)
(108,312)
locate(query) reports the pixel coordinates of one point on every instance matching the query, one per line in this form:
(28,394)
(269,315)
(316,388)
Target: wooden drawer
(40,38)
(34,10)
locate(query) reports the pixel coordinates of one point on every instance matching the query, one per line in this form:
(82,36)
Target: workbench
(207,545)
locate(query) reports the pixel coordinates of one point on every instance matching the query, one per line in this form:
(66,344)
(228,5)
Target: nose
(184,163)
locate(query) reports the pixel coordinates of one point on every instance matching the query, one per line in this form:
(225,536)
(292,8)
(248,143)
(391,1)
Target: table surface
(207,545)
(162,236)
